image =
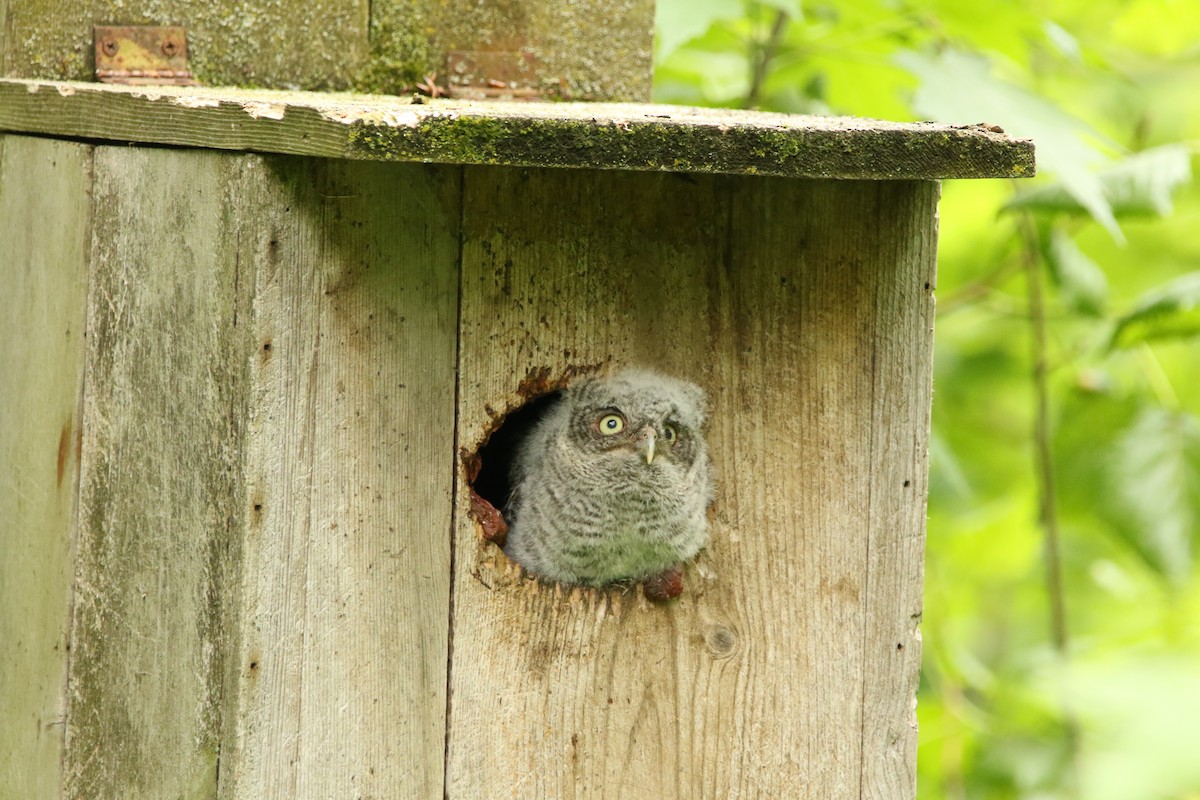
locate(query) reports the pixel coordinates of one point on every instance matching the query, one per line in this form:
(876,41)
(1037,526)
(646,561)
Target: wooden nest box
(252,341)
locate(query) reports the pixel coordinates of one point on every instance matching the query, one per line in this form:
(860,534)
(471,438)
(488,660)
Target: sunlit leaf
(1171,311)
(678,21)
(1161,27)
(791,7)
(1063,40)
(1081,282)
(1144,182)
(1141,184)
(722,78)
(1157,476)
(990,26)
(956,87)
(945,469)
(1142,715)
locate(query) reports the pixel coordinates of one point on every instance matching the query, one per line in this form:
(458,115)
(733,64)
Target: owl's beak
(646,441)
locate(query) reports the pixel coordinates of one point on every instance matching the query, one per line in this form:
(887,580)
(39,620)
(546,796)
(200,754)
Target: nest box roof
(543,134)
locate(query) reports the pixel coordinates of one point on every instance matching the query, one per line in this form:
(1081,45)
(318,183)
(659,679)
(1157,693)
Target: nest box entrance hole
(491,464)
(488,465)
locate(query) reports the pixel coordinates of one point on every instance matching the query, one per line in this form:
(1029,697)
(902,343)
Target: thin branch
(970,293)
(763,56)
(1047,492)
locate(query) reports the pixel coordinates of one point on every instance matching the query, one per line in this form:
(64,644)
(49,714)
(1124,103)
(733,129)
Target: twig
(1047,493)
(976,290)
(763,57)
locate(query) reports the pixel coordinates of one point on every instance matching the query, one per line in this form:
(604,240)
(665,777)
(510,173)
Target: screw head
(170,47)
(109,47)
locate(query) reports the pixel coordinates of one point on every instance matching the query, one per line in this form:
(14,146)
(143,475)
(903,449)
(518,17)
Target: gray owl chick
(613,483)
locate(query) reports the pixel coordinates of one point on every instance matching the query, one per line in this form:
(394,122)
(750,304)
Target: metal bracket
(142,54)
(497,74)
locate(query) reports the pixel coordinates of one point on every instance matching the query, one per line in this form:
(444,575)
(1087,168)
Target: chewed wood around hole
(488,466)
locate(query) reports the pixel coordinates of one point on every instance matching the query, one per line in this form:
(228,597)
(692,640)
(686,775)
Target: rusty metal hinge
(499,74)
(142,54)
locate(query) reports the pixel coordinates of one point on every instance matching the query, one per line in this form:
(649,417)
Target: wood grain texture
(4,49)
(317,45)
(342,676)
(573,135)
(590,49)
(902,361)
(802,307)
(45,229)
(585,50)
(161,489)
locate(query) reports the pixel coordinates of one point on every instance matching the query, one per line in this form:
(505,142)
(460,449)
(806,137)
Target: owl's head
(638,416)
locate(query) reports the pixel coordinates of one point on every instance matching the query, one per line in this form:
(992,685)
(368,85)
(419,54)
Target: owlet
(613,482)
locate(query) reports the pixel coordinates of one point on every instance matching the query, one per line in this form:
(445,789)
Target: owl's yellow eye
(610,424)
(670,434)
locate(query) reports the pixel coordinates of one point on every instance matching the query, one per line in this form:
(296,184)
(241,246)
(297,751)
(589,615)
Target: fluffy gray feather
(614,482)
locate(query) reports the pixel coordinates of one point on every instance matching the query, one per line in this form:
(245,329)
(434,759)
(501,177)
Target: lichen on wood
(315,45)
(578,135)
(386,45)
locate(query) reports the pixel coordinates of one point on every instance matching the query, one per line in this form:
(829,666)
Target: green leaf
(945,468)
(721,78)
(1141,710)
(1171,311)
(1063,40)
(1141,184)
(956,87)
(1157,477)
(790,7)
(1081,282)
(677,22)
(1144,182)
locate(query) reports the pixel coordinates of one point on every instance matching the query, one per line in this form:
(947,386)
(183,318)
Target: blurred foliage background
(1062,607)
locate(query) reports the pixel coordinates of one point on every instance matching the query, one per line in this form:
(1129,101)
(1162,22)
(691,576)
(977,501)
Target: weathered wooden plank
(45,229)
(346,602)
(760,680)
(902,356)
(161,489)
(587,49)
(319,44)
(4,38)
(579,135)
(383,46)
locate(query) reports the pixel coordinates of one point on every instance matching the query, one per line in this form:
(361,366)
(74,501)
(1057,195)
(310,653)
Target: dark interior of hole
(495,457)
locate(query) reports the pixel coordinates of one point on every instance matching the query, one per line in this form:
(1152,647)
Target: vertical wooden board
(4,37)
(160,495)
(903,364)
(771,294)
(317,44)
(45,227)
(343,670)
(577,695)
